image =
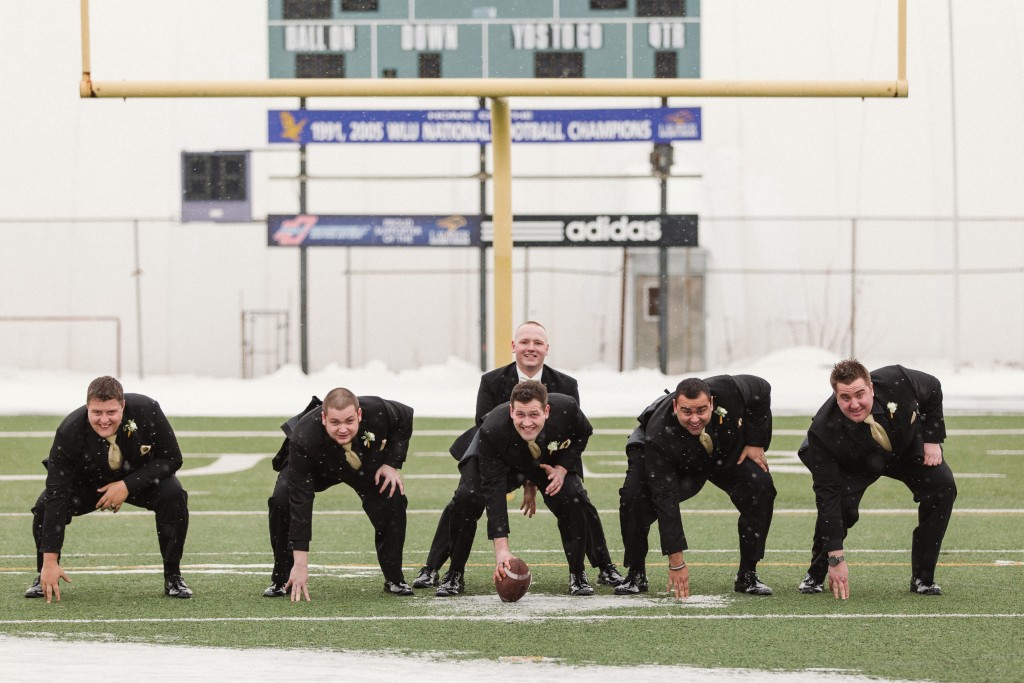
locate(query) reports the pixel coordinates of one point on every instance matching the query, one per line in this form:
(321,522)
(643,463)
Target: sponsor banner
(656,125)
(605,230)
(308,230)
(599,230)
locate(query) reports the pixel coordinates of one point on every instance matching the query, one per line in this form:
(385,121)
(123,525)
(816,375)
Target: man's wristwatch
(835,560)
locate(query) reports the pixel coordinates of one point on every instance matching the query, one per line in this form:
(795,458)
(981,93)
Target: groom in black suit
(886,423)
(534,437)
(530,347)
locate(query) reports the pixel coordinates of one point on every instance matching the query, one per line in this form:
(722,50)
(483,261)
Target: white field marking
(1004,452)
(524,552)
(525,616)
(457,432)
(515,511)
(224,463)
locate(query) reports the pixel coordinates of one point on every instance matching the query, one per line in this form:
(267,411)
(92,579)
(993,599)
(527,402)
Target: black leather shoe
(634,584)
(397,588)
(35,590)
(578,584)
(747,582)
(610,576)
(175,587)
(426,577)
(811,585)
(918,586)
(454,584)
(275,590)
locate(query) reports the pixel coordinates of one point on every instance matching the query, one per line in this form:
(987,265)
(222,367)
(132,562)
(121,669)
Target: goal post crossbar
(497,90)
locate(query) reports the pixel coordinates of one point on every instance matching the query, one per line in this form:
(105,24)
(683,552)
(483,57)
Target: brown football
(516,582)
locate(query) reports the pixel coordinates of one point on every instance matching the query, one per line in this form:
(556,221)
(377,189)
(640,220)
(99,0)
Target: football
(516,582)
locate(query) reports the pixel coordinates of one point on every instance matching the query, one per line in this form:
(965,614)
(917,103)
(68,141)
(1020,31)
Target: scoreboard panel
(484,38)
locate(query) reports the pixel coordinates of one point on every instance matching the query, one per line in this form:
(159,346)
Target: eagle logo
(290,128)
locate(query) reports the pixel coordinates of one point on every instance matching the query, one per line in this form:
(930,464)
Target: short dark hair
(104,388)
(339,399)
(528,391)
(848,371)
(691,387)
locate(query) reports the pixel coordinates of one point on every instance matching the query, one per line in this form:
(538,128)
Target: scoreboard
(484,38)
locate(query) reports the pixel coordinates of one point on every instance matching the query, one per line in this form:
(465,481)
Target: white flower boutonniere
(368,438)
(721,413)
(130,427)
(891,407)
(555,446)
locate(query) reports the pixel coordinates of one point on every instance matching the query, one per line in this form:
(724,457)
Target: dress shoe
(275,590)
(426,577)
(175,587)
(920,587)
(397,588)
(578,584)
(35,590)
(635,583)
(454,584)
(747,582)
(811,585)
(610,576)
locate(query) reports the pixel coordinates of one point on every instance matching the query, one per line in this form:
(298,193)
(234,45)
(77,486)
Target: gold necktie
(114,458)
(705,441)
(350,457)
(534,449)
(878,434)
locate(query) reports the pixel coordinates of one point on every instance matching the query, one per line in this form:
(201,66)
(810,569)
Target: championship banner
(655,125)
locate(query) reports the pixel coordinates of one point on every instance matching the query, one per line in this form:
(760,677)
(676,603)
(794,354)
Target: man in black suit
(118,448)
(715,429)
(530,347)
(534,437)
(360,441)
(886,423)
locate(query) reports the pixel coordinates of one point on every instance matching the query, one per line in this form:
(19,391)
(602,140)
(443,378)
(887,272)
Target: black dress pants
(166,498)
(387,515)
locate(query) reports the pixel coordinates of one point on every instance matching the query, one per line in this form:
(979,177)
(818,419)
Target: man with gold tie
(885,423)
(536,437)
(361,441)
(713,430)
(118,448)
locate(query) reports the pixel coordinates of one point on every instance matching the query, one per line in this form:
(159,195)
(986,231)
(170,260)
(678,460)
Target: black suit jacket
(742,417)
(503,453)
(496,388)
(78,459)
(841,454)
(317,462)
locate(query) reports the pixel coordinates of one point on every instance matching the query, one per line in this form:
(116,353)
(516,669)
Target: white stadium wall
(783,184)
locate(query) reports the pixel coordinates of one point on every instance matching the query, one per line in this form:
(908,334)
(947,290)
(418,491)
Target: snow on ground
(91,660)
(799,379)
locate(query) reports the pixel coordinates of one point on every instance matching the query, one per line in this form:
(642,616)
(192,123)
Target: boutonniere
(721,413)
(368,438)
(891,407)
(130,427)
(555,446)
